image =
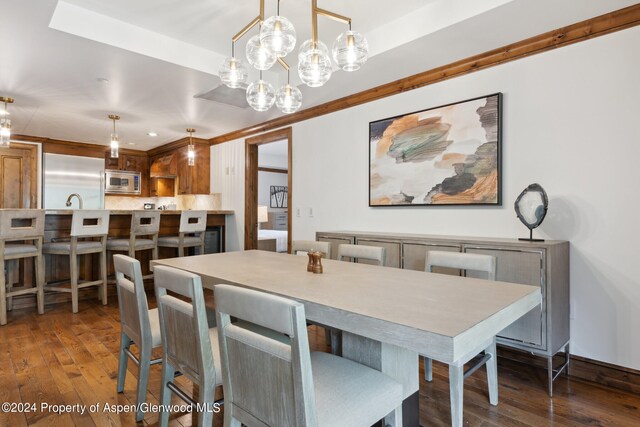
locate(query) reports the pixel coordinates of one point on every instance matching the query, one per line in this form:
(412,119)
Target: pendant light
(258,55)
(260,95)
(288,98)
(278,34)
(5,123)
(233,72)
(314,64)
(114,137)
(191,149)
(350,50)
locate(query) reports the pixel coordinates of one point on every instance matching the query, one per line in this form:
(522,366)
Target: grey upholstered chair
(190,234)
(362,252)
(21,235)
(190,346)
(301,247)
(279,382)
(143,236)
(85,224)
(468,262)
(140,326)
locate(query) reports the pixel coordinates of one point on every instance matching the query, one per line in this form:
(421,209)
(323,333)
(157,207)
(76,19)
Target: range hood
(164,167)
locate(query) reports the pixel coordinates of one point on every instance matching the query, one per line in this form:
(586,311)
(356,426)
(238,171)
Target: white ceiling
(158,54)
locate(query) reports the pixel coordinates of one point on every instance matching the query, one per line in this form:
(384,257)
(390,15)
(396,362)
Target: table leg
(398,363)
(456,387)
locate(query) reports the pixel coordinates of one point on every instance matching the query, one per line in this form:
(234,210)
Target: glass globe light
(258,55)
(288,99)
(350,50)
(314,64)
(278,35)
(233,72)
(260,95)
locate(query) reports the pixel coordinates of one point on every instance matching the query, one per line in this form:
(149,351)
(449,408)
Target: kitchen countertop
(128,212)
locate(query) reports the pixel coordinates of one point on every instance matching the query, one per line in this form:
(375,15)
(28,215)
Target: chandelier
(276,39)
(115,145)
(5,123)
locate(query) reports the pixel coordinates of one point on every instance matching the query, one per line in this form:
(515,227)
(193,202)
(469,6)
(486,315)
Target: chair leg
(336,342)
(103,273)
(143,379)
(125,344)
(3,294)
(40,282)
(165,392)
(428,369)
(456,388)
(207,397)
(73,269)
(229,421)
(9,284)
(492,373)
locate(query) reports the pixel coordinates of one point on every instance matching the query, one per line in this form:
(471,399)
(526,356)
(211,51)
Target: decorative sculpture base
(530,238)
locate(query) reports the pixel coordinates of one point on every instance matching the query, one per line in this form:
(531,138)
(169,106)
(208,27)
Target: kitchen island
(58,228)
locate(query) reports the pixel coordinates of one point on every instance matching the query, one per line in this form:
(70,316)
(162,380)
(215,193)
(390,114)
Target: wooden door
(19,176)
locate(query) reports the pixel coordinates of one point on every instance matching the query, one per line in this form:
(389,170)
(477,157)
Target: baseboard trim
(603,373)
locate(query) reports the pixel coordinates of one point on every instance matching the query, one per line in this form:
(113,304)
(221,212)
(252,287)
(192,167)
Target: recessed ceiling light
(102,80)
(152,134)
(132,143)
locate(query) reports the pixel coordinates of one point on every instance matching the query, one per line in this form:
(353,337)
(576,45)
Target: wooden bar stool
(191,233)
(145,224)
(85,224)
(17,227)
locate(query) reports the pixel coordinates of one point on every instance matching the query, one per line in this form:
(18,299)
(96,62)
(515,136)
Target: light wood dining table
(388,316)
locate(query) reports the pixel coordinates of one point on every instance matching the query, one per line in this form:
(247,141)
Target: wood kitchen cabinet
(193,179)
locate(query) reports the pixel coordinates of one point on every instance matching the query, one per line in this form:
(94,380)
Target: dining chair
(302,247)
(21,235)
(468,262)
(361,252)
(140,326)
(85,224)
(190,234)
(190,346)
(143,236)
(287,384)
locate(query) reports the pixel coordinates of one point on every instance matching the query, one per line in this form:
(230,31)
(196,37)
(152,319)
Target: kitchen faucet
(79,199)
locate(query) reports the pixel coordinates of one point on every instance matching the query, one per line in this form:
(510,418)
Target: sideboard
(544,331)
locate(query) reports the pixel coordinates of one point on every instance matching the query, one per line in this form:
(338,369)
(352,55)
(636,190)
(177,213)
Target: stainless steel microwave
(122,182)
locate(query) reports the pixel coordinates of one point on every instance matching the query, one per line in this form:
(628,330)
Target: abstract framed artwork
(447,155)
(278,196)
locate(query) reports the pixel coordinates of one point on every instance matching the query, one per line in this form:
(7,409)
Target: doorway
(275,198)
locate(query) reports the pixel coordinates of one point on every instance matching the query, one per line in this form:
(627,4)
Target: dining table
(388,316)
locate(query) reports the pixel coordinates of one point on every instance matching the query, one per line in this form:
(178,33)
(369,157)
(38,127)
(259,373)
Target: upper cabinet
(193,179)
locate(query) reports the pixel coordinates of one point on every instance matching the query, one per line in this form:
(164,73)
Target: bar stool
(143,224)
(20,225)
(191,233)
(84,224)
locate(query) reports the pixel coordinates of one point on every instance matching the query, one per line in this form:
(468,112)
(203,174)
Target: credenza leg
(456,387)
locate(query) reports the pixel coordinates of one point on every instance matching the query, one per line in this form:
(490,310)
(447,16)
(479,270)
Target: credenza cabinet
(544,330)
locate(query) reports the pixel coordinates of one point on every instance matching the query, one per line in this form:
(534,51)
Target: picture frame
(278,196)
(449,155)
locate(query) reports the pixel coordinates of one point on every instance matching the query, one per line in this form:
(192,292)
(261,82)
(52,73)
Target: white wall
(569,123)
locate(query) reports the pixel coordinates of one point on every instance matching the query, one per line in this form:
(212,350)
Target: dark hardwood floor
(63,359)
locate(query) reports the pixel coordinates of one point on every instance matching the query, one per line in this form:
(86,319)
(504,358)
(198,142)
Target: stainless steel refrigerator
(64,175)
